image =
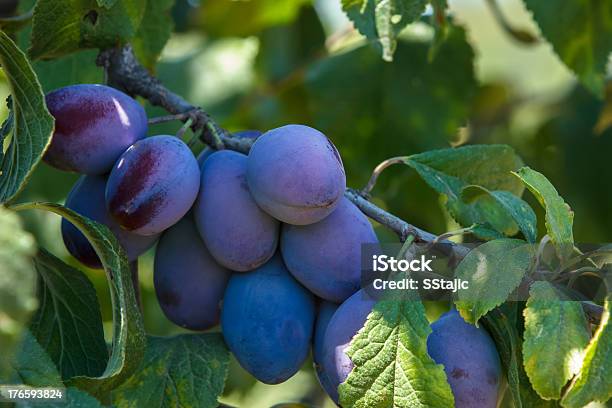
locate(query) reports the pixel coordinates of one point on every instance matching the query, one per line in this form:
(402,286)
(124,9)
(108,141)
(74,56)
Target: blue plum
(87,199)
(153,185)
(295,174)
(267,320)
(324,315)
(188,282)
(326,256)
(348,319)
(470,360)
(94,125)
(243,134)
(238,234)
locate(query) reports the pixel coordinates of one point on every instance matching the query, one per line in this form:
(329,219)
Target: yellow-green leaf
(594,382)
(554,339)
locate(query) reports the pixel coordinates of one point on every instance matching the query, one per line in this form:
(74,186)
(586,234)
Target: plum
(188,282)
(243,134)
(470,360)
(238,234)
(87,199)
(267,320)
(94,125)
(153,185)
(348,319)
(324,315)
(326,256)
(295,174)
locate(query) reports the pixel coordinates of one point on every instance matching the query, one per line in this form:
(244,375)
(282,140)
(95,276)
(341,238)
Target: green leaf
(581,35)
(502,323)
(383,20)
(555,337)
(61,27)
(74,398)
(17,283)
(513,206)
(244,18)
(449,171)
(559,216)
(187,370)
(154,31)
(32,125)
(68,323)
(33,366)
(77,68)
(392,367)
(493,270)
(594,382)
(128,331)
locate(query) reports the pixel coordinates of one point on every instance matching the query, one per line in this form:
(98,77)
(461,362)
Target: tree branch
(123,71)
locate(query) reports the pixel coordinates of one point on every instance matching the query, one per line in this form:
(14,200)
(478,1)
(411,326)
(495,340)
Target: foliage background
(261,64)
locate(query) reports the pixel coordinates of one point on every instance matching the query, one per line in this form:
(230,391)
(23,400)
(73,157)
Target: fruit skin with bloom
(87,199)
(189,283)
(153,185)
(295,174)
(94,125)
(238,234)
(326,256)
(267,321)
(348,319)
(470,360)
(324,315)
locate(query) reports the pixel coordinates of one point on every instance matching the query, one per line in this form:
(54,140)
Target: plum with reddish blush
(94,125)
(153,185)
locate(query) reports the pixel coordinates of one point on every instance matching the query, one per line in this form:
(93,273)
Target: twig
(169,118)
(377,171)
(521,35)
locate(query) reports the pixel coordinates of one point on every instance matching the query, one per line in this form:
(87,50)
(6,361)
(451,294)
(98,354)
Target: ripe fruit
(188,282)
(94,124)
(326,311)
(470,360)
(326,256)
(153,185)
(87,199)
(267,321)
(243,134)
(239,235)
(348,319)
(295,174)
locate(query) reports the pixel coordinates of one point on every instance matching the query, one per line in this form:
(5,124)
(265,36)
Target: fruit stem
(377,171)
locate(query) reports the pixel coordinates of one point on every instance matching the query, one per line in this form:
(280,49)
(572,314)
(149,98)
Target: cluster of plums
(267,244)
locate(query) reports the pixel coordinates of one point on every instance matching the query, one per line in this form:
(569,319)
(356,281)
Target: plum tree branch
(124,72)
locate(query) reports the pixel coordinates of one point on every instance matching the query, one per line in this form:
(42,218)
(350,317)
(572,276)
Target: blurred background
(260,64)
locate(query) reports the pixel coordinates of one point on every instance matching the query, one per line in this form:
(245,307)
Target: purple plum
(87,199)
(295,174)
(326,256)
(470,360)
(267,320)
(94,125)
(238,234)
(348,319)
(153,185)
(188,282)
